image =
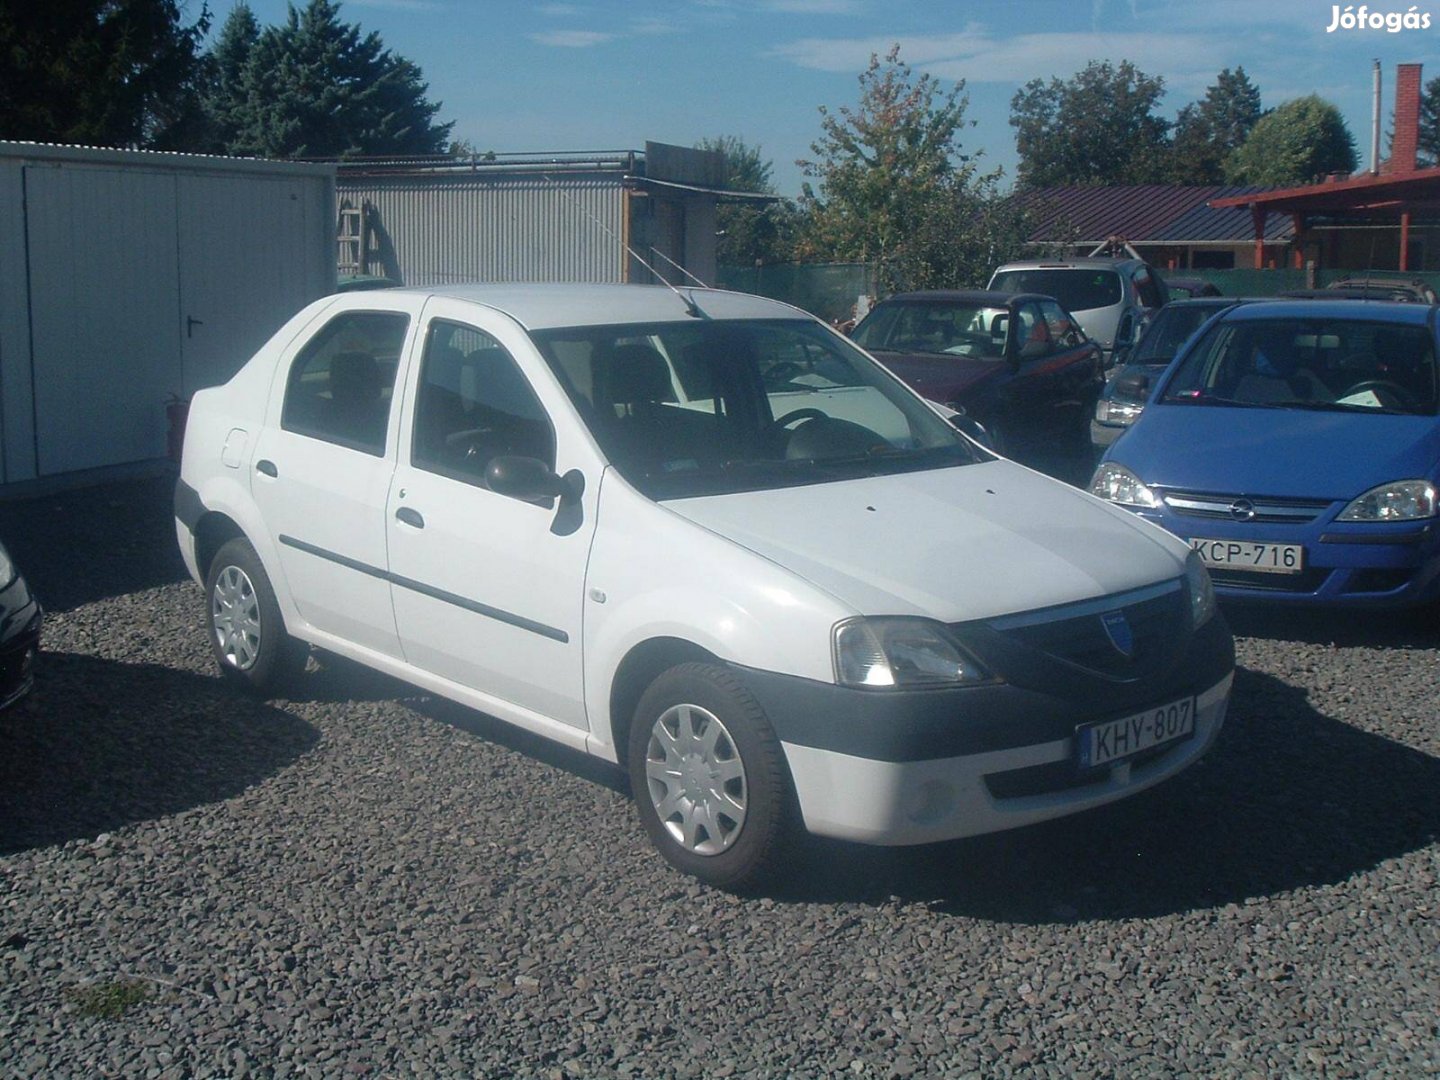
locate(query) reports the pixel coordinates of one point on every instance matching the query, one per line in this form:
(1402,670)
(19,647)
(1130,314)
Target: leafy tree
(1099,127)
(1211,129)
(895,190)
(101,72)
(1430,124)
(749,233)
(315,87)
(1297,143)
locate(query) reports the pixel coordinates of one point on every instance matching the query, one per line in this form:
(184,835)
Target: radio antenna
(690,306)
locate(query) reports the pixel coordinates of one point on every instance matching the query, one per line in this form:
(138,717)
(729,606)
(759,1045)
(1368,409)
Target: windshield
(713,406)
(953,329)
(1076,289)
(1170,329)
(1331,364)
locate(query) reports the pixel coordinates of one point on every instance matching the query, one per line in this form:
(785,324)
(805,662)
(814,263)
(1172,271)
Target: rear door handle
(410,517)
(266,466)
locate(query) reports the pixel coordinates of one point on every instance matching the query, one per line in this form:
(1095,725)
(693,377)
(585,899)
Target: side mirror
(530,480)
(973,429)
(1133,387)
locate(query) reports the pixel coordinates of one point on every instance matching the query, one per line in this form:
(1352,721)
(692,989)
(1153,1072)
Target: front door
(488,590)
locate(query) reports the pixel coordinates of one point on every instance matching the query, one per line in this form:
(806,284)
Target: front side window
(340,385)
(953,329)
(1329,364)
(707,407)
(1171,329)
(1064,333)
(474,404)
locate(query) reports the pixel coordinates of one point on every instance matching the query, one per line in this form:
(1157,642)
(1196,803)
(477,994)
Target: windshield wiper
(1215,399)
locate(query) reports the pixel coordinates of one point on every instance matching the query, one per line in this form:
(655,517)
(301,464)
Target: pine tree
(1208,131)
(101,72)
(317,87)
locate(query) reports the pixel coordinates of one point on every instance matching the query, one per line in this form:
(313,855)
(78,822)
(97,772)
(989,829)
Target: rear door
(322,468)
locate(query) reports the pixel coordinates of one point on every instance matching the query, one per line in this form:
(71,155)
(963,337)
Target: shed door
(104,279)
(241,246)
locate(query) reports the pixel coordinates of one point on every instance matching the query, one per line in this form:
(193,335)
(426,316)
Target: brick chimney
(1405,144)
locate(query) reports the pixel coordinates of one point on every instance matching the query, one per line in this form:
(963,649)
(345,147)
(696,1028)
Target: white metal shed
(129,279)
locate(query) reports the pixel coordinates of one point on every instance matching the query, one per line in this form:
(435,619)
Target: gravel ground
(365,881)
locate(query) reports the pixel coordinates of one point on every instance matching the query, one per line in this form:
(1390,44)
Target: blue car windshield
(1341,365)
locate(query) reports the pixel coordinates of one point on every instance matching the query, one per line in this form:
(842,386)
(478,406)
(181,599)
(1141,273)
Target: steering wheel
(799,414)
(1390,395)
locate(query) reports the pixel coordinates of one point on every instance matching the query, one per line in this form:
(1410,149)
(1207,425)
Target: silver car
(1111,298)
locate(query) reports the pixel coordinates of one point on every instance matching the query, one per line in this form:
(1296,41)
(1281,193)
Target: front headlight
(904,653)
(1122,413)
(7,568)
(1404,500)
(1202,592)
(1117,484)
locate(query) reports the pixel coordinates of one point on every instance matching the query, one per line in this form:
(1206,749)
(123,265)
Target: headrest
(634,373)
(354,377)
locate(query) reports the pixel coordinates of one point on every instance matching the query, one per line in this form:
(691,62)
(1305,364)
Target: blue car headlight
(1117,484)
(1403,500)
(7,567)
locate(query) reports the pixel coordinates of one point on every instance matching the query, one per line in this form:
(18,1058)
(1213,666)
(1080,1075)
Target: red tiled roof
(1420,186)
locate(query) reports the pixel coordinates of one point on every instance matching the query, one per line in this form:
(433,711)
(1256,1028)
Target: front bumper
(910,767)
(1371,565)
(920,802)
(20,622)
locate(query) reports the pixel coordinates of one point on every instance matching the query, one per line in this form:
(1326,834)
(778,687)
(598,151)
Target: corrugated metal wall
(432,230)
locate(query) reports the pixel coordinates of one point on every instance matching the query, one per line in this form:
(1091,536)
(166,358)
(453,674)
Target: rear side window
(341,384)
(1075,289)
(474,405)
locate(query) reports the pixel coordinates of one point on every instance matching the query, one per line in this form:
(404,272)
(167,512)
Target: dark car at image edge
(20,619)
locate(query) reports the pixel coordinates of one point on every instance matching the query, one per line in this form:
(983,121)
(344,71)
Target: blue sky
(576,75)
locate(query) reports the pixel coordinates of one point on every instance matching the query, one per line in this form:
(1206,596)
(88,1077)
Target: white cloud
(572,39)
(977,56)
(813,7)
(559,11)
(400,5)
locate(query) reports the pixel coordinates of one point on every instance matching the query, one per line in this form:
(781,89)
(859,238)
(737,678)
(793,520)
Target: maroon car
(1016,362)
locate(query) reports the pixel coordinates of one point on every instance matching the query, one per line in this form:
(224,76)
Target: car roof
(1087,263)
(1380,311)
(986,297)
(542,306)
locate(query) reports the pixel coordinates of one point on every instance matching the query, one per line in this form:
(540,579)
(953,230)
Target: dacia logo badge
(1117,629)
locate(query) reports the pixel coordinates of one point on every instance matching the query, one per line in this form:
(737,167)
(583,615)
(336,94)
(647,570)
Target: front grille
(1076,633)
(1304,582)
(1262,509)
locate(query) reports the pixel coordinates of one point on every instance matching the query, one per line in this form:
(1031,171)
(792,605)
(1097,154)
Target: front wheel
(709,777)
(247,633)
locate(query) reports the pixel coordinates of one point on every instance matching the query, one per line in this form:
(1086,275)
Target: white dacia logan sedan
(703,536)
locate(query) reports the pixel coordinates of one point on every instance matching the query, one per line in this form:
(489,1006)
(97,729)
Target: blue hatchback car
(1296,446)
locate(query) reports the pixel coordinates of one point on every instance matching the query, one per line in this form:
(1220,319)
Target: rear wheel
(247,633)
(709,777)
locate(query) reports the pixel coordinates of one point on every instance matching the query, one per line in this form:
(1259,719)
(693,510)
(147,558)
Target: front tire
(709,777)
(247,632)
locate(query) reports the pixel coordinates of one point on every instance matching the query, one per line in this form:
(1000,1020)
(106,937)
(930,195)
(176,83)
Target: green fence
(1271,282)
(828,290)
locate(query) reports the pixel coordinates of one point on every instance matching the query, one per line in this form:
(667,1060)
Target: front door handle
(410,517)
(266,466)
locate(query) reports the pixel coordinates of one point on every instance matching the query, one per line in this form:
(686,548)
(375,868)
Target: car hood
(940,378)
(953,544)
(1282,452)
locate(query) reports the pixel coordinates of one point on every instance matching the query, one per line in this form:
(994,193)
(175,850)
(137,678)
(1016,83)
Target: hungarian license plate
(1242,555)
(1112,740)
